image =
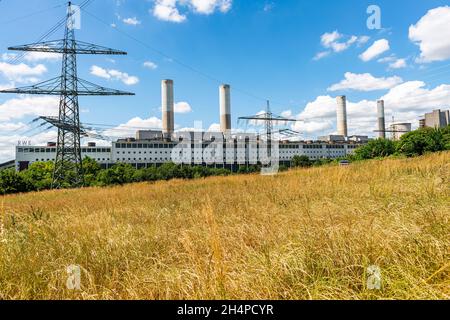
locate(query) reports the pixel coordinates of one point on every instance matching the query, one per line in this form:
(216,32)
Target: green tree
(378,148)
(301,161)
(40,175)
(418,142)
(13,182)
(91,168)
(120,173)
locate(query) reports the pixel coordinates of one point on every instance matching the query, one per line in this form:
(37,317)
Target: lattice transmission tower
(68,169)
(270,119)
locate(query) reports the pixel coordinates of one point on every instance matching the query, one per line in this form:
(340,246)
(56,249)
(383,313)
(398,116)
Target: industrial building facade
(145,153)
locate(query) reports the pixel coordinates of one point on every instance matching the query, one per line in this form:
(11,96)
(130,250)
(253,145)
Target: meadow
(303,234)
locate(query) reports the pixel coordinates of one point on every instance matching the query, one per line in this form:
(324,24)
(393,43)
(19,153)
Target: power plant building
(437,119)
(156,147)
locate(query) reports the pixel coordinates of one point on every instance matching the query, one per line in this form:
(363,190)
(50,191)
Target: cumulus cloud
(337,42)
(365,82)
(432,34)
(129,128)
(398,64)
(131,21)
(9,142)
(215,127)
(112,74)
(182,107)
(169,10)
(150,65)
(321,55)
(22,72)
(377,48)
(28,106)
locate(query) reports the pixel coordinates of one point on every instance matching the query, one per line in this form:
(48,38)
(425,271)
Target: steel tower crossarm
(54,87)
(73,47)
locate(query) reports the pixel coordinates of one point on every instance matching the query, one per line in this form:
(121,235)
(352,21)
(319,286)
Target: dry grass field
(304,234)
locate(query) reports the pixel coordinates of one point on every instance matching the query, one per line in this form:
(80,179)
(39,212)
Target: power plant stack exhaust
(381,120)
(225,108)
(168,123)
(342,116)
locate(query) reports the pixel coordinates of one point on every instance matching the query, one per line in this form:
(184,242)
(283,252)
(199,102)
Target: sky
(299,54)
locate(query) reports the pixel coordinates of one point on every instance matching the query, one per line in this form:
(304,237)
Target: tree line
(39,175)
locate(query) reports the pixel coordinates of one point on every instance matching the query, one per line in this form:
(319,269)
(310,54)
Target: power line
(177,61)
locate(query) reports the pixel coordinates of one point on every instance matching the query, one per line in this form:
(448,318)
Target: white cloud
(376,49)
(40,56)
(169,10)
(129,128)
(432,34)
(131,21)
(328,38)
(9,142)
(150,65)
(182,107)
(365,82)
(286,114)
(321,54)
(21,72)
(209,6)
(215,127)
(398,64)
(337,42)
(28,106)
(8,56)
(112,74)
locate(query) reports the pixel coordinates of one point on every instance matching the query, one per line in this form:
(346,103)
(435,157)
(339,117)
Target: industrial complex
(156,147)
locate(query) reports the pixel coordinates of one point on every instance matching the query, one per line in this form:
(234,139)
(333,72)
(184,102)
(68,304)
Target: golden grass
(305,234)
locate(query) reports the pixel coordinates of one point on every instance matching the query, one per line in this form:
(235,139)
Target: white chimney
(225,108)
(168,125)
(342,116)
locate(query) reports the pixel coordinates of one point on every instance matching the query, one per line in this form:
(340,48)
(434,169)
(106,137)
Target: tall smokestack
(381,119)
(167,103)
(342,116)
(225,108)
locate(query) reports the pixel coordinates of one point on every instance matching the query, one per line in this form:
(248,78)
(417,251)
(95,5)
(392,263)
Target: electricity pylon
(68,170)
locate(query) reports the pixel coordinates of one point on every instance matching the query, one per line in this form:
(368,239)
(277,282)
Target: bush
(39,175)
(378,148)
(13,182)
(417,143)
(118,174)
(301,161)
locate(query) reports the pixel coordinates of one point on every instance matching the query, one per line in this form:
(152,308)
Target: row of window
(49,150)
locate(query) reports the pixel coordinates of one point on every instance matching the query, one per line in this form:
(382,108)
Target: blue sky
(263,49)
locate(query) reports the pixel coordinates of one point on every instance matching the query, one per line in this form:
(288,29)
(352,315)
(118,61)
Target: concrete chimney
(167,102)
(225,108)
(381,120)
(342,116)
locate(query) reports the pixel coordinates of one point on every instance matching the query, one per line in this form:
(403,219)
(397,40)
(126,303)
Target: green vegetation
(412,144)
